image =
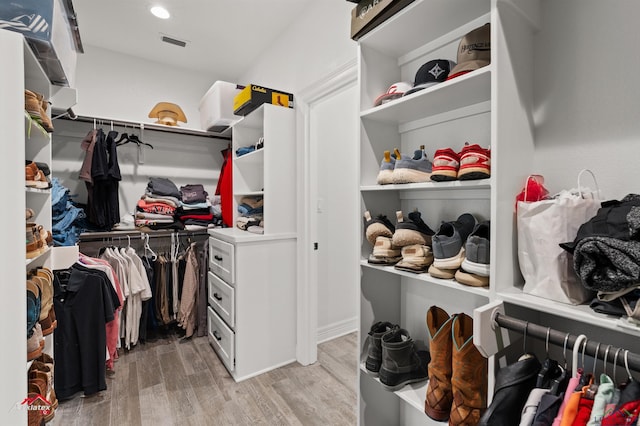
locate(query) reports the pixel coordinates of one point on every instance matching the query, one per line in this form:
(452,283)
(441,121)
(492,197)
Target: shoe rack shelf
(429,280)
(269,171)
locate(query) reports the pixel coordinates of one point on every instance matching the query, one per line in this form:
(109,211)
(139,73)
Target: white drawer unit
(221,260)
(222,338)
(252,321)
(221,299)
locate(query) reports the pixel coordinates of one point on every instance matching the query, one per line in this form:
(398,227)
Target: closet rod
(100,236)
(558,337)
(148,126)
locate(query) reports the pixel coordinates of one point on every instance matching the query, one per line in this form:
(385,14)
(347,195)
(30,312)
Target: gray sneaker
(414,169)
(448,242)
(477,249)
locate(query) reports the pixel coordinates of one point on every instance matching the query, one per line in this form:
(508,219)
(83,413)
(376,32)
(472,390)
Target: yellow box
(252,96)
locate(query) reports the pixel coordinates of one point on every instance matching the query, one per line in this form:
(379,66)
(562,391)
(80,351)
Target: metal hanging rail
(86,237)
(592,348)
(147,126)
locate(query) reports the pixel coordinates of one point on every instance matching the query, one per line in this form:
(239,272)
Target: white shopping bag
(542,225)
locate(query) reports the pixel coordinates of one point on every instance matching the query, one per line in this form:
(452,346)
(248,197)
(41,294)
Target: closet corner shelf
(33,126)
(581,313)
(30,261)
(466,90)
(235,235)
(248,194)
(425,277)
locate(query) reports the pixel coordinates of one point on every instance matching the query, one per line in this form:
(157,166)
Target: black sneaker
(381,226)
(412,231)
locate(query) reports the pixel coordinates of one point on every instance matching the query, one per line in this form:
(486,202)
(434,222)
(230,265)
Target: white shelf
(248,193)
(463,91)
(480,184)
(453,284)
(582,313)
(37,190)
(30,261)
(253,157)
(34,131)
(413,394)
(422,21)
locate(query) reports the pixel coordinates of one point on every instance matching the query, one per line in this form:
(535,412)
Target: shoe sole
(403,383)
(444,175)
(473,173)
(411,268)
(444,274)
(437,415)
(452,262)
(410,176)
(407,237)
(375,260)
(480,269)
(471,280)
(385,177)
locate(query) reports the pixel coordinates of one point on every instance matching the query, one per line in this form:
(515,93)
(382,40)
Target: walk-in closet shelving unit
(252,287)
(22,139)
(506,106)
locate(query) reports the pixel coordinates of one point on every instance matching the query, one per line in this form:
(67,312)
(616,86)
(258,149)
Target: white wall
(118,86)
(314,46)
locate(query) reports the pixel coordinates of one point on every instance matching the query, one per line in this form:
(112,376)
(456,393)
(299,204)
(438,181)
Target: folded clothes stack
(157,207)
(251,214)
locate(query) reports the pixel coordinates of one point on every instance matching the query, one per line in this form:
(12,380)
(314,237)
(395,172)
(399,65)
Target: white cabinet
(533,121)
(252,319)
(252,277)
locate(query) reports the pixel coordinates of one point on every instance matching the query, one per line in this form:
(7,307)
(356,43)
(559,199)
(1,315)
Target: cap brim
(468,66)
(420,87)
(387,97)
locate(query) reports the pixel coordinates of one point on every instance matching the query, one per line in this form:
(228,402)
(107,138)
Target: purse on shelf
(542,225)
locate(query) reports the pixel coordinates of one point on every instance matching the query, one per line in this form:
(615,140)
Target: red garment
(225,189)
(584,412)
(625,415)
(208,217)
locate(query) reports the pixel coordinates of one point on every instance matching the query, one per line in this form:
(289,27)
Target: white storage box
(49,26)
(216,107)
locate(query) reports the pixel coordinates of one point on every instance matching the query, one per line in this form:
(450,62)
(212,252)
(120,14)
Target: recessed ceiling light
(160,12)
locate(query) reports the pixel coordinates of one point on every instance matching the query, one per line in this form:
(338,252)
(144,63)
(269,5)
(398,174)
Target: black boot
(402,363)
(374,351)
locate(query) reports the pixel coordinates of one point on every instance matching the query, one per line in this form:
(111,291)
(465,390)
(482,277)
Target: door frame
(307,297)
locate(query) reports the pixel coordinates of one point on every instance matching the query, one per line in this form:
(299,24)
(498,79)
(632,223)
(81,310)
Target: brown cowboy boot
(439,397)
(469,379)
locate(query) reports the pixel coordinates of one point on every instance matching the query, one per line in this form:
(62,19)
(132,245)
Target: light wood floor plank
(168,382)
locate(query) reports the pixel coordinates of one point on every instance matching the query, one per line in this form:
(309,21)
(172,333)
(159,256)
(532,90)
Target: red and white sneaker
(446,163)
(475,163)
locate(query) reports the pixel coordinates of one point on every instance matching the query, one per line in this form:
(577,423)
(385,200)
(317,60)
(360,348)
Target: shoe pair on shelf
(38,239)
(473,162)
(397,168)
(405,245)
(35,175)
(392,356)
(36,106)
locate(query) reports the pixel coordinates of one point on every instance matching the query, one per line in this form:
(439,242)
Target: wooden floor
(172,383)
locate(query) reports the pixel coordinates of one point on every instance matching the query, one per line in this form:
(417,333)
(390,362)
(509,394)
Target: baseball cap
(396,90)
(474,51)
(431,73)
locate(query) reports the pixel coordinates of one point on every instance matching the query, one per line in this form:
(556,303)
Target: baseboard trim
(337,329)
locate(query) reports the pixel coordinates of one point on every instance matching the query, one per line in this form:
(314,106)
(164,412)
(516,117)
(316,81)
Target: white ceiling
(223,36)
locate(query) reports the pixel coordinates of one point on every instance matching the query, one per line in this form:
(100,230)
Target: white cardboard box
(216,107)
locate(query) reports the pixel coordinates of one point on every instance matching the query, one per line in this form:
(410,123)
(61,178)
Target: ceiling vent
(173,41)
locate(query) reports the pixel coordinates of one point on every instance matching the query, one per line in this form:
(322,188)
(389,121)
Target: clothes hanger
(576,349)
(549,368)
(559,383)
(135,139)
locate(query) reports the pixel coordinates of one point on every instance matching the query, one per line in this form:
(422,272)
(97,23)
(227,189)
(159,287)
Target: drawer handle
(215,334)
(215,296)
(218,258)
